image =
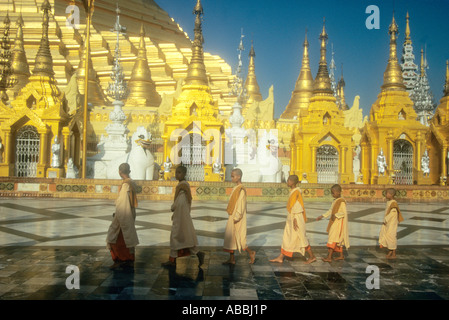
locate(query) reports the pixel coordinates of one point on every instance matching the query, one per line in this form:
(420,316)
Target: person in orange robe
(337,229)
(295,238)
(122,236)
(388,231)
(235,232)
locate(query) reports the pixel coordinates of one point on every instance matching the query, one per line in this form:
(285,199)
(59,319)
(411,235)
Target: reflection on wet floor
(39,273)
(39,238)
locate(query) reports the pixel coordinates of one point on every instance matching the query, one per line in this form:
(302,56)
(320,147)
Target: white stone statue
(216,168)
(356,163)
(167,165)
(425,164)
(72,170)
(55,149)
(140,159)
(266,165)
(381,163)
(304,178)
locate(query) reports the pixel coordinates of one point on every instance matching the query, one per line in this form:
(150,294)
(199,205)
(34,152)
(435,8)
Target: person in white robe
(122,235)
(235,232)
(337,229)
(183,240)
(388,231)
(295,238)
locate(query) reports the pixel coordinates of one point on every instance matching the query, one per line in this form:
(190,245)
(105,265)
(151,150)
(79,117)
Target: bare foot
(327,259)
(339,258)
(252,257)
(278,259)
(311,260)
(391,257)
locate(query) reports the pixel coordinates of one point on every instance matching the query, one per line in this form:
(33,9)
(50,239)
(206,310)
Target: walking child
(388,231)
(183,240)
(337,229)
(295,238)
(122,236)
(235,232)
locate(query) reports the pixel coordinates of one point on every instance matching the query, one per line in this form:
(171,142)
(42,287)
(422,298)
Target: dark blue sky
(277,28)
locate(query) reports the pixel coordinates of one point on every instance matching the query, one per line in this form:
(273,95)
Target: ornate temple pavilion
(183,98)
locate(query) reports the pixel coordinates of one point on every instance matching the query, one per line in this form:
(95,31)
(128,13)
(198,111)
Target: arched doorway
(327,164)
(403,162)
(193,157)
(27,152)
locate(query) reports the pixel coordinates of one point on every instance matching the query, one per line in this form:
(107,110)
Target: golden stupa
(393,132)
(322,145)
(155,55)
(194,120)
(438,137)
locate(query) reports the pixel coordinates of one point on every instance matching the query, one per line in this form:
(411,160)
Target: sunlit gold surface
(392,117)
(195,111)
(393,73)
(322,83)
(321,124)
(142,90)
(251,85)
(303,88)
(19,63)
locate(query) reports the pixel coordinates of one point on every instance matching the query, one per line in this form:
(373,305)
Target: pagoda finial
(251,85)
(141,86)
(393,74)
(322,83)
(305,54)
(303,88)
(117,89)
(44,62)
(19,64)
(237,85)
(196,73)
(446,85)
(423,66)
(408,39)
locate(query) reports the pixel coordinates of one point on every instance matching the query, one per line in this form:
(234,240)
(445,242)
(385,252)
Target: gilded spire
(141,86)
(423,64)
(303,87)
(196,73)
(393,74)
(94,91)
(251,85)
(19,63)
(44,62)
(408,39)
(322,83)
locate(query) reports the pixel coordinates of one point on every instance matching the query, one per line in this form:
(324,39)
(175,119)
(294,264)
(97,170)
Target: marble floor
(40,238)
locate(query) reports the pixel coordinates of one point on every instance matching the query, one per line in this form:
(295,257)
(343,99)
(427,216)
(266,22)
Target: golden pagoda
(438,138)
(303,88)
(142,90)
(19,63)
(393,141)
(37,116)
(193,135)
(322,145)
(251,86)
(96,95)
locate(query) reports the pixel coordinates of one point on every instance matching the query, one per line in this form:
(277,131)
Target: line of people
(122,236)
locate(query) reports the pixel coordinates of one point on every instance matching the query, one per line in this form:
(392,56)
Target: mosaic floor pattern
(39,238)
